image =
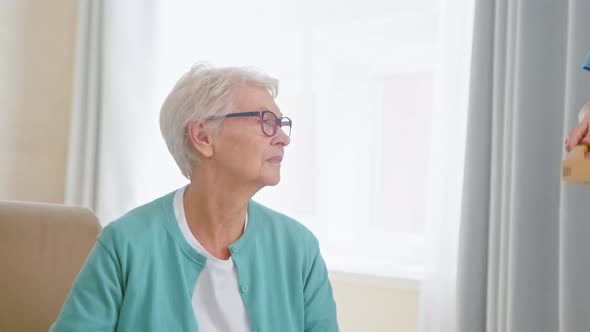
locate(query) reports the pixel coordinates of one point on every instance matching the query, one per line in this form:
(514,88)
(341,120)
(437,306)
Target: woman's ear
(200,138)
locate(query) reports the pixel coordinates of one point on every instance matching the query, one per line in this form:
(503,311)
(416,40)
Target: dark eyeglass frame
(260,114)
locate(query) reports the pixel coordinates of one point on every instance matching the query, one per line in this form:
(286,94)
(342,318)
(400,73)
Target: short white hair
(202,92)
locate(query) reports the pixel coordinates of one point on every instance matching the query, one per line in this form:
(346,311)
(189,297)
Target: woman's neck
(215,216)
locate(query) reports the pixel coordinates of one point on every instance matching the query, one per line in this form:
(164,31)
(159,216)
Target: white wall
(36,68)
(375,304)
(36,73)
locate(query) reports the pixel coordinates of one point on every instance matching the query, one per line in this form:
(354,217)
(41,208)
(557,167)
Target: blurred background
(425,153)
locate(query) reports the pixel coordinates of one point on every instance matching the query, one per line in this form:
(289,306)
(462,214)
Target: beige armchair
(42,249)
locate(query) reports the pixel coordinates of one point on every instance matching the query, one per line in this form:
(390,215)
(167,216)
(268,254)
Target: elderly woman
(206,257)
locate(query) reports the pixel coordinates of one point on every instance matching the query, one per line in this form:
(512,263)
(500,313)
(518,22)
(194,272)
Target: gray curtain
(524,234)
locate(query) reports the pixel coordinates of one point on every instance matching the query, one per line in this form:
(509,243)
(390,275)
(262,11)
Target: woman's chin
(272,178)
(274,181)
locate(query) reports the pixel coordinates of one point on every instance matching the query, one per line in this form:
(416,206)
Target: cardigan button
(244,289)
(234,250)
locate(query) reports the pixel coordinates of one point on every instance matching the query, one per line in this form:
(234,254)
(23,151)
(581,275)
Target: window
(360,80)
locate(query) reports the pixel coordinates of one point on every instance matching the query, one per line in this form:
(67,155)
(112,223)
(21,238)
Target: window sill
(405,283)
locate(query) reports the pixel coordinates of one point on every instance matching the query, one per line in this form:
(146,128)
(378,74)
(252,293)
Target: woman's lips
(276,159)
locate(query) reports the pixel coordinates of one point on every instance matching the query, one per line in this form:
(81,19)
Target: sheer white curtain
(86,108)
(447,155)
(375,89)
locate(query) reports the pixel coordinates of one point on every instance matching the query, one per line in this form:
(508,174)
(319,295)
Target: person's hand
(580,134)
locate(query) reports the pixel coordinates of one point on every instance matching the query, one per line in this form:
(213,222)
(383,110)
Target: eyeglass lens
(270,125)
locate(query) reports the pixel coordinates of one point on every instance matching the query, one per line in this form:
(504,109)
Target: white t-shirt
(217,301)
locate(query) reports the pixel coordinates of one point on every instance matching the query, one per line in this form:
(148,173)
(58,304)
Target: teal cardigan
(141,274)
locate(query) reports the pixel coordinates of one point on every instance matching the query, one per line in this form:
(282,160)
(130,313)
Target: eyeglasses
(268,121)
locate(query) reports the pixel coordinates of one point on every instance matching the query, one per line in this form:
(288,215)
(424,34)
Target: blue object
(587,65)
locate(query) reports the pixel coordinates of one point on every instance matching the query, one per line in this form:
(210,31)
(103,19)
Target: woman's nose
(281,137)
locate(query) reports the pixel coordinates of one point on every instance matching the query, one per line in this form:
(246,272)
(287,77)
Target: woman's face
(241,150)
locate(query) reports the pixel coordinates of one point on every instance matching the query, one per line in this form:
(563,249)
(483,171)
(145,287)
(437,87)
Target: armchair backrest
(42,249)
